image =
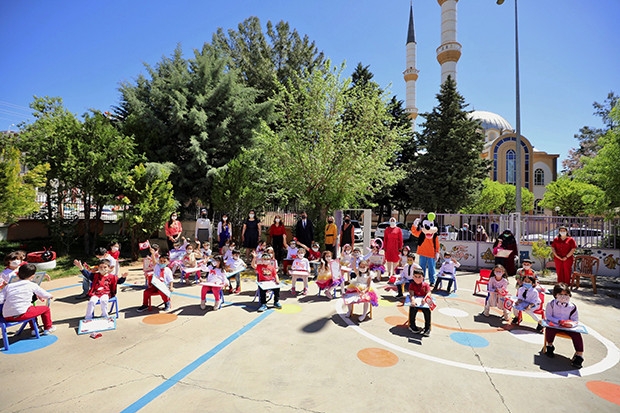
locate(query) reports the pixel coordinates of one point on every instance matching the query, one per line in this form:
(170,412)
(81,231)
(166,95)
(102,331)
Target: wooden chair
(484,277)
(585,266)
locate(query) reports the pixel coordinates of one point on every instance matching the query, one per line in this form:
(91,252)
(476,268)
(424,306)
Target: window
(511,170)
(538,210)
(539,177)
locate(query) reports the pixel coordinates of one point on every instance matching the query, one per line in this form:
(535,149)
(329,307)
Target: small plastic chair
(113,306)
(446,277)
(5,324)
(484,277)
(540,310)
(585,266)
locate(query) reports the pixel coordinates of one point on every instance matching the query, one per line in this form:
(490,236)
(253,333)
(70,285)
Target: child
(527,300)
(190,264)
(562,312)
(217,277)
(419,292)
(115,250)
(164,274)
(261,247)
(17,297)
(404,258)
(405,277)
(376,258)
(103,254)
(149,262)
(103,286)
(314,257)
(236,265)
(360,291)
(447,269)
(498,288)
(300,269)
(267,272)
(291,254)
(205,250)
(228,248)
(527,266)
(324,278)
(12,263)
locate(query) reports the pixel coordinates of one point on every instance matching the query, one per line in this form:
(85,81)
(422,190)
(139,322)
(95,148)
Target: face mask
(447,259)
(204,215)
(15,263)
(527,285)
(114,249)
(563,233)
(564,299)
(300,255)
(363,270)
(277,219)
(392,224)
(499,274)
(251,215)
(174,217)
(303,217)
(315,249)
(331,221)
(224,219)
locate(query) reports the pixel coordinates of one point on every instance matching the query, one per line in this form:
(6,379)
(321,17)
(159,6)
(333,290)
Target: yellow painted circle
(290,309)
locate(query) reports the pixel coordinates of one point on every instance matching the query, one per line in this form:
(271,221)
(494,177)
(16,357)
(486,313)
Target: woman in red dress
(563,248)
(392,244)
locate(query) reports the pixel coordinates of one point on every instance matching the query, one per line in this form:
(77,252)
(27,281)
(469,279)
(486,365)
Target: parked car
(382,226)
(584,237)
(357,230)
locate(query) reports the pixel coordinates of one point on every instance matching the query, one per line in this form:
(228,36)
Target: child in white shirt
(447,270)
(236,265)
(498,289)
(300,269)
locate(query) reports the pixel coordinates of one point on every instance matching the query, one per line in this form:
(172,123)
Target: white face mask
(499,274)
(114,249)
(224,219)
(315,248)
(564,299)
(277,219)
(392,224)
(174,217)
(15,263)
(363,270)
(563,233)
(447,259)
(251,215)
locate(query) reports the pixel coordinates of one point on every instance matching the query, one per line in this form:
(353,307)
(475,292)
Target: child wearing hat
(526,266)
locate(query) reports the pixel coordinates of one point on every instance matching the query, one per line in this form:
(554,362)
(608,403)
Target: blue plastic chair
(5,324)
(113,306)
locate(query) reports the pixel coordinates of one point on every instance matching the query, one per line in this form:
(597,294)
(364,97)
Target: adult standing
(250,234)
(331,233)
(173,230)
(494,229)
(224,231)
(277,232)
(203,230)
(347,233)
(465,233)
(506,241)
(563,248)
(481,234)
(304,230)
(392,244)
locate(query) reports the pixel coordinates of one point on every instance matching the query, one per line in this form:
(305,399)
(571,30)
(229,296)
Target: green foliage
(448,172)
(542,252)
(492,198)
(194,113)
(510,199)
(574,197)
(18,194)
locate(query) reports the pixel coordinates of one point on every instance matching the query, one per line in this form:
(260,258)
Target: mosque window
(539,177)
(511,170)
(538,210)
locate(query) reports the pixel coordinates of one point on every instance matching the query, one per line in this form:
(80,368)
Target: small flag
(144,245)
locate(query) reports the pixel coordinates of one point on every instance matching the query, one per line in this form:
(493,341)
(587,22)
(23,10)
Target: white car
(382,226)
(357,230)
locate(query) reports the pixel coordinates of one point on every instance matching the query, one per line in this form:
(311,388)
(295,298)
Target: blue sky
(569,51)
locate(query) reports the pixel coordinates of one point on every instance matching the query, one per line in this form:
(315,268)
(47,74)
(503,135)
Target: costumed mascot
(428,244)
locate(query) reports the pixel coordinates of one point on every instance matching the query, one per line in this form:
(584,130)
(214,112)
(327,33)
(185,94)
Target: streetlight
(518,112)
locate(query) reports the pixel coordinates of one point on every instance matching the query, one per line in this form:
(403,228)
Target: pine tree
(449,170)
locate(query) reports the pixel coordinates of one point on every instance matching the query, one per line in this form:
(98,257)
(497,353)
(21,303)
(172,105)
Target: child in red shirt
(419,291)
(103,286)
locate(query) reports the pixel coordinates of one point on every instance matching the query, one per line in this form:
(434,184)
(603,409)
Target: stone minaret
(450,50)
(411,73)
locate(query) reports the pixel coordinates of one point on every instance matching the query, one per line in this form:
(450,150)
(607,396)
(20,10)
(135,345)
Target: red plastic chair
(484,277)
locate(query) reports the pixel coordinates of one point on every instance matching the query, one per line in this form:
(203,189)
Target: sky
(569,51)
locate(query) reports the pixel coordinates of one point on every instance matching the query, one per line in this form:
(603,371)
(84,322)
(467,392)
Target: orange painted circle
(605,390)
(396,320)
(377,357)
(159,319)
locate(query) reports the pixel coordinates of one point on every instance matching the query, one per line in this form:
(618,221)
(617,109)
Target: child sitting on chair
(527,300)
(360,291)
(419,292)
(405,277)
(447,269)
(149,262)
(561,312)
(267,272)
(236,265)
(376,258)
(164,274)
(218,279)
(103,286)
(190,264)
(498,289)
(300,268)
(17,298)
(526,266)
(291,254)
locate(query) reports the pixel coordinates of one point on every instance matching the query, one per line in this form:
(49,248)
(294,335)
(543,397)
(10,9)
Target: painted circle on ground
(156,319)
(290,309)
(26,345)
(527,336)
(605,390)
(385,303)
(453,312)
(469,340)
(377,357)
(395,320)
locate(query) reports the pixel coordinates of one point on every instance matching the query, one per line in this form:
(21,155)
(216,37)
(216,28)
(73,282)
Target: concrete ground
(307,357)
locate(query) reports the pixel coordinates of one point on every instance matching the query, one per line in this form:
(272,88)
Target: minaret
(450,50)
(411,73)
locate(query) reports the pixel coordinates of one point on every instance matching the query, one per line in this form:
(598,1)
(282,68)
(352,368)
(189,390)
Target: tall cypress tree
(449,170)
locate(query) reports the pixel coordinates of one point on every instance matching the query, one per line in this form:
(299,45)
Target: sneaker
(347,314)
(217,305)
(142,308)
(293,291)
(550,351)
(407,300)
(399,295)
(426,332)
(277,305)
(263,308)
(485,313)
(577,362)
(328,294)
(515,320)
(363,317)
(304,291)
(415,329)
(202,304)
(167,306)
(53,328)
(539,329)
(238,289)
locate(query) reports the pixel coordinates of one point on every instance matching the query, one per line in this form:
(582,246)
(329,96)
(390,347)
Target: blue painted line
(165,386)
(65,287)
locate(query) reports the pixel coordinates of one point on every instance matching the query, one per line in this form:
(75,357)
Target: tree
(267,62)
(510,199)
(194,113)
(492,197)
(324,160)
(18,194)
(588,137)
(572,197)
(449,170)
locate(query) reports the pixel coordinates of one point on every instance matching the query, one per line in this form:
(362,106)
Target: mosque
(538,168)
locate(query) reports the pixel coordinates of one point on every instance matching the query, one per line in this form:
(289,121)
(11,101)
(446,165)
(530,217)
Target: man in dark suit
(304,230)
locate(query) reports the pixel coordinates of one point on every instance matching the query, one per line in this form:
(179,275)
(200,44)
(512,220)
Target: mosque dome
(491,120)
